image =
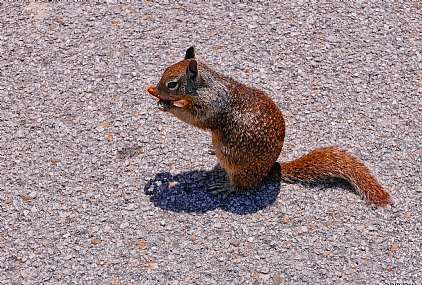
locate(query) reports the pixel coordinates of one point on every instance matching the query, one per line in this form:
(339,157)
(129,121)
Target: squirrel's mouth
(165,105)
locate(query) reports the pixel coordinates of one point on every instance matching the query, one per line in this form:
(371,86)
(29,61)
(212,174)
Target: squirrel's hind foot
(221,187)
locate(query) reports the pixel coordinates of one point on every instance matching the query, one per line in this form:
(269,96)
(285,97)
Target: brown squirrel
(248,132)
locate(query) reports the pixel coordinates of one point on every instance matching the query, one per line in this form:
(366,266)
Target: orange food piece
(151,91)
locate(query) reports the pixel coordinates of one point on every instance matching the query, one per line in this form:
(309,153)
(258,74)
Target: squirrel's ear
(190,53)
(192,69)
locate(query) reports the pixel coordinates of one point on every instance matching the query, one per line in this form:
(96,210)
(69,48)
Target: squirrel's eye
(172,85)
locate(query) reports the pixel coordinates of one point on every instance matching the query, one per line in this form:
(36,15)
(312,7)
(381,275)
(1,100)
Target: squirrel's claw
(221,187)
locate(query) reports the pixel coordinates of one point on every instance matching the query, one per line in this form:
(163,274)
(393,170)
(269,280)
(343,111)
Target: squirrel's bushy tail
(334,162)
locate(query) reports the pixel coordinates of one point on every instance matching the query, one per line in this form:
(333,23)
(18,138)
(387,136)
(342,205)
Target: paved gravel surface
(99,187)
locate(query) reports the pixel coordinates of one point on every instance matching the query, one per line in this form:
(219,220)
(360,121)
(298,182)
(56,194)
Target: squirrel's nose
(151,91)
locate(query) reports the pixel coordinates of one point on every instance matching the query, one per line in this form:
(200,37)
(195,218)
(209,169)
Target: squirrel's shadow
(187,192)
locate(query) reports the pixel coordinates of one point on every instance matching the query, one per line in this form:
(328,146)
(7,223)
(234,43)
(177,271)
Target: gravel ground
(99,187)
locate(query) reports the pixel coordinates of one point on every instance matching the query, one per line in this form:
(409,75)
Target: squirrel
(248,132)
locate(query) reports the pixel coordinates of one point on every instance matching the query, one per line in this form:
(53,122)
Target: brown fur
(334,162)
(248,131)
